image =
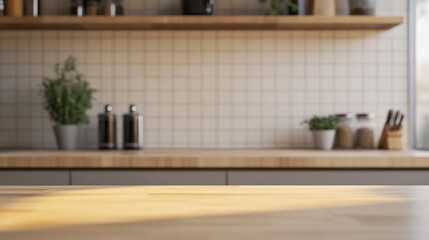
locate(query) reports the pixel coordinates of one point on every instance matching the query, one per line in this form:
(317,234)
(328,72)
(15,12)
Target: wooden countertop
(228,213)
(214,159)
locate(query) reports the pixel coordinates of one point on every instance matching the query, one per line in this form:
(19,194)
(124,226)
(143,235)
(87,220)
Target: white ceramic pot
(324,139)
(324,8)
(67,136)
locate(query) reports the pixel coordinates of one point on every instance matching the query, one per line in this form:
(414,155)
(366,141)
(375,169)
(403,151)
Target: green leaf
(69,96)
(277,7)
(322,122)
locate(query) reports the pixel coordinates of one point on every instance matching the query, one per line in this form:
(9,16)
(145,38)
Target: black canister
(198,7)
(107,129)
(133,129)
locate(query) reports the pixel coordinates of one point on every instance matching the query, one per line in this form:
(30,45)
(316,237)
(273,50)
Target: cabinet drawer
(34,177)
(328,177)
(148,177)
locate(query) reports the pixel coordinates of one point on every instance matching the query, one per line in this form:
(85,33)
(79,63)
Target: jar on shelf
(111,8)
(14,8)
(362,7)
(77,8)
(365,131)
(344,137)
(91,7)
(324,8)
(342,7)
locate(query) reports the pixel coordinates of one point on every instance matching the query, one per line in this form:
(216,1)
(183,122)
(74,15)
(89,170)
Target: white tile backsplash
(212,89)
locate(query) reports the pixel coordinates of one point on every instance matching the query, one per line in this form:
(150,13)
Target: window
(421,96)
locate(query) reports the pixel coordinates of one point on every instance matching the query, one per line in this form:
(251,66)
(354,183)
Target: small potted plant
(323,129)
(66,99)
(282,7)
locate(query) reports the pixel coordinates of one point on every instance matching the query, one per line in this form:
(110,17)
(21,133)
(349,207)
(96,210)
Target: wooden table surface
(166,213)
(214,159)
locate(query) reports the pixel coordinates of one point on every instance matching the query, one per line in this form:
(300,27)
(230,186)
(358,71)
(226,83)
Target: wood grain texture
(228,213)
(199,23)
(215,159)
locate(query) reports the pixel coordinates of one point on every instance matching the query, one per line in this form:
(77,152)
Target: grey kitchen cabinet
(328,177)
(148,177)
(34,177)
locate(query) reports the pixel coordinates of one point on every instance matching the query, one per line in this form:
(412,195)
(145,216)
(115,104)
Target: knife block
(391,139)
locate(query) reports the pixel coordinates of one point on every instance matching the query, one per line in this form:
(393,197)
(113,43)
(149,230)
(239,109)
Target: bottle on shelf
(1,8)
(77,8)
(111,8)
(14,8)
(120,10)
(32,8)
(107,129)
(133,129)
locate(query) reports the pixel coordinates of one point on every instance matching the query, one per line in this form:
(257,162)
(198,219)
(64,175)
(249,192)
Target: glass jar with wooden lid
(14,8)
(365,131)
(344,137)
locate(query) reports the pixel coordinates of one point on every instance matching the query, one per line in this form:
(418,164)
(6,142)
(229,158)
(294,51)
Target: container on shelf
(14,8)
(111,8)
(198,7)
(300,7)
(1,8)
(120,9)
(305,7)
(32,8)
(362,7)
(133,129)
(77,8)
(324,8)
(365,131)
(91,7)
(107,129)
(345,132)
(342,7)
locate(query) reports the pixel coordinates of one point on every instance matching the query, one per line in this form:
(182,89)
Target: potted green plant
(66,99)
(281,7)
(323,130)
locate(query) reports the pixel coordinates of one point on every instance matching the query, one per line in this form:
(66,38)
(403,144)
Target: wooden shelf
(199,23)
